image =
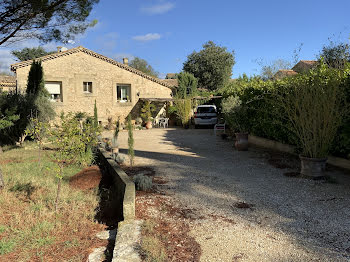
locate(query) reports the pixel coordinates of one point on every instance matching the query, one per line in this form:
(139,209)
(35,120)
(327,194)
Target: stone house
(78,77)
(303,66)
(7,83)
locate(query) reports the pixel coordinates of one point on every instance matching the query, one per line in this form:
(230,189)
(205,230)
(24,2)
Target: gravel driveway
(290,219)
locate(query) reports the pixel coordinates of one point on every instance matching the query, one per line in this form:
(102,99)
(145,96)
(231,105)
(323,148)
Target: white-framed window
(123,93)
(55,91)
(87,87)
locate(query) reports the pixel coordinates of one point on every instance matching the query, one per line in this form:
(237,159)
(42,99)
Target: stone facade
(78,65)
(7,83)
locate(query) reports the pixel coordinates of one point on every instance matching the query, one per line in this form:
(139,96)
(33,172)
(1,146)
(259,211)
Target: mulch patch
(86,179)
(171,223)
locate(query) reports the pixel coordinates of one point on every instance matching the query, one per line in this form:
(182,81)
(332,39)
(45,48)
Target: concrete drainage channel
(117,211)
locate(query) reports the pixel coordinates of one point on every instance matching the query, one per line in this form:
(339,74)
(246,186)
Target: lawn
(30,229)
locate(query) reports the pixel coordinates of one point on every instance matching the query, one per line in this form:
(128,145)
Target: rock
(107,234)
(97,255)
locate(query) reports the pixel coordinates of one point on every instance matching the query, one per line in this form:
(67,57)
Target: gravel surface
(286,219)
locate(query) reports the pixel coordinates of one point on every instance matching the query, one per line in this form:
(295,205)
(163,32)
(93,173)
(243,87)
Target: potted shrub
(146,113)
(314,104)
(236,116)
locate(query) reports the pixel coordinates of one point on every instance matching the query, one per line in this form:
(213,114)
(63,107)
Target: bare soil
(88,178)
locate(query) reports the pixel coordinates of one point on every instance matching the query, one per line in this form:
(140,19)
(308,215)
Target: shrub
(184,107)
(147,110)
(314,104)
(235,113)
(142,182)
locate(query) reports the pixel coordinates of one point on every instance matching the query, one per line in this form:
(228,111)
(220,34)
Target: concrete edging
(271,144)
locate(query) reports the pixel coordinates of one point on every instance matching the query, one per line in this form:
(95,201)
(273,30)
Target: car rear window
(206,110)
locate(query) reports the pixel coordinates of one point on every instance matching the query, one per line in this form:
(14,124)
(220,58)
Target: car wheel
(196,126)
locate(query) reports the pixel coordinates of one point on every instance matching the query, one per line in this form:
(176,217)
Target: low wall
(123,186)
(274,145)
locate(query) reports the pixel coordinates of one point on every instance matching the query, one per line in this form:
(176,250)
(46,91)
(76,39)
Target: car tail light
(195,115)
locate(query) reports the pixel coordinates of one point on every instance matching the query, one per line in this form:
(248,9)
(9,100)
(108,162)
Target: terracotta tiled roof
(284,73)
(7,81)
(309,62)
(14,67)
(304,65)
(170,82)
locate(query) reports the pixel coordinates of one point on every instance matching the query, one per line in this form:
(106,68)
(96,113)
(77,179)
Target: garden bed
(30,229)
(165,231)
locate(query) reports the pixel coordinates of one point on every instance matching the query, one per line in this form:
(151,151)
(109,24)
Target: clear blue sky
(164,32)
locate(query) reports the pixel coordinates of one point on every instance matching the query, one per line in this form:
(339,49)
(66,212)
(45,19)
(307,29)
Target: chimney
(125,61)
(61,49)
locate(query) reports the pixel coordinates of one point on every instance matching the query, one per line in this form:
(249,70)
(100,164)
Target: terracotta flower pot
(313,167)
(149,125)
(242,141)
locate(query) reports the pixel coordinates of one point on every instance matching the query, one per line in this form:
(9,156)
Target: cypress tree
(95,116)
(37,95)
(131,152)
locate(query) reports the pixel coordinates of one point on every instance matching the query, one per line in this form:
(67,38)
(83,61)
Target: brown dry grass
(165,235)
(30,230)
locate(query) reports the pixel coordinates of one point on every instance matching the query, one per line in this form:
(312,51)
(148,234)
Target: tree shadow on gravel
(309,210)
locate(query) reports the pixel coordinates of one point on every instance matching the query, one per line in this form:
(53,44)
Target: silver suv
(205,115)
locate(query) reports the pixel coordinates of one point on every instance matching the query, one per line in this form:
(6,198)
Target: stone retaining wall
(124,186)
(128,231)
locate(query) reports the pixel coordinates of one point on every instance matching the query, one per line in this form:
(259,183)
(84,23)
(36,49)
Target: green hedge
(264,116)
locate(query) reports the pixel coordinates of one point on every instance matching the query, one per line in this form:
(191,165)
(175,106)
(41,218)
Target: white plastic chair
(220,127)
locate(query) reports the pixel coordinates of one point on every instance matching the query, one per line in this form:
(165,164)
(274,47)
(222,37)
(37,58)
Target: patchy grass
(30,230)
(165,233)
(152,248)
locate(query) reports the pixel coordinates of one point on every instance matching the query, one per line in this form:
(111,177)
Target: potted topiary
(315,104)
(146,113)
(235,113)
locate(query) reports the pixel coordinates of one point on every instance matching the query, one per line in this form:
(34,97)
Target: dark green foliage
(187,85)
(146,111)
(35,79)
(336,55)
(37,95)
(265,117)
(212,66)
(143,66)
(34,103)
(131,152)
(30,53)
(15,113)
(95,116)
(46,20)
